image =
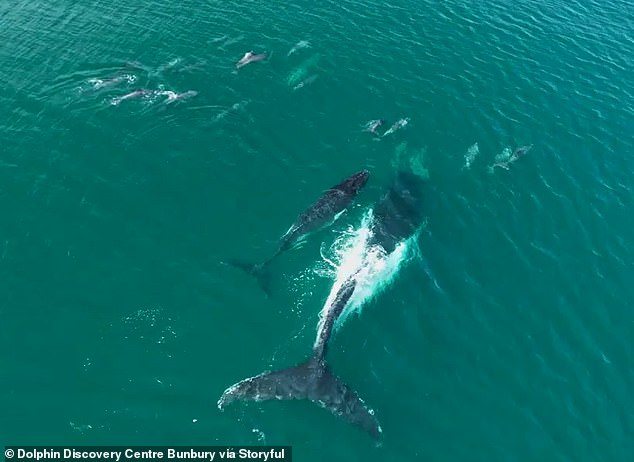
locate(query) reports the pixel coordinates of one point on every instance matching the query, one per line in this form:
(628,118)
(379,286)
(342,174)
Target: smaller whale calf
(323,212)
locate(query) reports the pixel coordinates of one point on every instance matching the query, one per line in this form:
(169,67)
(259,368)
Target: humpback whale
(399,214)
(396,218)
(320,214)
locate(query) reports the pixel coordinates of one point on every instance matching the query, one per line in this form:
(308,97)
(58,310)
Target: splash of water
(373,269)
(505,155)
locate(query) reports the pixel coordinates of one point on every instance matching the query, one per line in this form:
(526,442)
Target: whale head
(355,182)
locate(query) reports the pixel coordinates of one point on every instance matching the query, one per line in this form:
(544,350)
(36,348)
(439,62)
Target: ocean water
(508,338)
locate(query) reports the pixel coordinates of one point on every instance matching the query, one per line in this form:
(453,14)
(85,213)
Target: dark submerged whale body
(400,212)
(396,217)
(320,214)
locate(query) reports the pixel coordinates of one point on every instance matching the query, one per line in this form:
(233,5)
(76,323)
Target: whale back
(327,208)
(399,213)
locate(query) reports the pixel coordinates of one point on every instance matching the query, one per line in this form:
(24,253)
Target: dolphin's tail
(311,380)
(259,270)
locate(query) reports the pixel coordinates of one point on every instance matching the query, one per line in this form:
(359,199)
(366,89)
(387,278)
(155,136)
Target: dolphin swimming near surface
(227,41)
(396,218)
(400,123)
(298,46)
(173,96)
(135,94)
(306,81)
(235,107)
(470,155)
(322,213)
(519,152)
(105,83)
(373,125)
(250,57)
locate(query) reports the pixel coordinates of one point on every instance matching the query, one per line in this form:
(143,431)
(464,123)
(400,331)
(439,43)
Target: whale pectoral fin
(333,220)
(258,270)
(313,381)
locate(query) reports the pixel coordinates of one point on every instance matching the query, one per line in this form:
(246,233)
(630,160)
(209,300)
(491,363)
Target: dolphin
(373,125)
(320,214)
(250,57)
(470,155)
(131,95)
(395,218)
(306,81)
(519,152)
(173,96)
(298,46)
(400,123)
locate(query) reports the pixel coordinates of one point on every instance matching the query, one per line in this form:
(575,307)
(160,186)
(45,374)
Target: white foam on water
(373,269)
(505,155)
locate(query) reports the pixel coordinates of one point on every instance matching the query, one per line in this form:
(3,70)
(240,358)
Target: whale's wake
(353,253)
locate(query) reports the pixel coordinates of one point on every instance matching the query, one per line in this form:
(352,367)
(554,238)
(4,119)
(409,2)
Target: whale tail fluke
(258,270)
(311,380)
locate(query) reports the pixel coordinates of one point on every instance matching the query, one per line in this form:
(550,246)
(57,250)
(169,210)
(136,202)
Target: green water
(511,339)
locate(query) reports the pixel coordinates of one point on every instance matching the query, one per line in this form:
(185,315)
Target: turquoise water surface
(508,338)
